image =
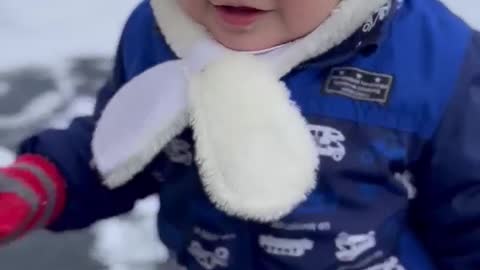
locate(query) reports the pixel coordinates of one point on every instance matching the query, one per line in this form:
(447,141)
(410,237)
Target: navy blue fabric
(447,211)
(360,216)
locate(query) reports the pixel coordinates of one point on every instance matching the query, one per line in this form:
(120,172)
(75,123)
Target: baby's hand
(15,214)
(31,196)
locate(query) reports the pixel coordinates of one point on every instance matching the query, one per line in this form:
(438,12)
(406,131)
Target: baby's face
(258,24)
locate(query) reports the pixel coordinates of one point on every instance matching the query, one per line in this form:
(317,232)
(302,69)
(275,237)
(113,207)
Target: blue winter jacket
(395,110)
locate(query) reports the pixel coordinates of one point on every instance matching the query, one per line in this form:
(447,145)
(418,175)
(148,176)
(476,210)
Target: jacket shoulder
(142,44)
(426,52)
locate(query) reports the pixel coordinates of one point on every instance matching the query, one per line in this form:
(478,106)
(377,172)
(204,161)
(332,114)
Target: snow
(467,9)
(52,32)
(6,156)
(126,242)
(41,32)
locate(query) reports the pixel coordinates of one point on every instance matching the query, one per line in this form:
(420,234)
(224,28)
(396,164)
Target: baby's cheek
(197,10)
(312,13)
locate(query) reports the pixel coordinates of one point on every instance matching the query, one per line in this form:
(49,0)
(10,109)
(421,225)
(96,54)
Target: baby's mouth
(239,16)
(240,10)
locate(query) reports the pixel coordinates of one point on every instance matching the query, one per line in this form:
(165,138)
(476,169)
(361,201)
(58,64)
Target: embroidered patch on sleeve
(359,84)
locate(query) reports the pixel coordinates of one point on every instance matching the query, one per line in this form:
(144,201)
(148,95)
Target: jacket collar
(365,40)
(354,24)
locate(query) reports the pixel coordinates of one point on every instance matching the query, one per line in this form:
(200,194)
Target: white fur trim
(146,114)
(347,18)
(181,33)
(256,155)
(139,121)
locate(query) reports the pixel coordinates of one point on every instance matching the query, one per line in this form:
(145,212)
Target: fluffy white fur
(182,33)
(256,156)
(254,151)
(347,18)
(146,114)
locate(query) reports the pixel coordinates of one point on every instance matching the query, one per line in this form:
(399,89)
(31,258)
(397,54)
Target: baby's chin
(253,39)
(247,41)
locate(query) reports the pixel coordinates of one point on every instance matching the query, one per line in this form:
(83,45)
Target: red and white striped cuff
(38,182)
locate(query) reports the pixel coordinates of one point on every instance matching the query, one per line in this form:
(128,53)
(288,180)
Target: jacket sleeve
(87,200)
(447,211)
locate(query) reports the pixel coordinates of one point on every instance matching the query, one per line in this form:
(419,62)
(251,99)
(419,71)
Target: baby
(279,134)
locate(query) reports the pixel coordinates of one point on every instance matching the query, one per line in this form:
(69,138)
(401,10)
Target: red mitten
(32,195)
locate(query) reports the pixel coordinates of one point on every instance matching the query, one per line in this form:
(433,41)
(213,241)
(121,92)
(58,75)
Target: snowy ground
(51,31)
(53,56)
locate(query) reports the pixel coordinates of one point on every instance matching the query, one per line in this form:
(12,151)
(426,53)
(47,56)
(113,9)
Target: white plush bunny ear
(146,114)
(139,121)
(256,156)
